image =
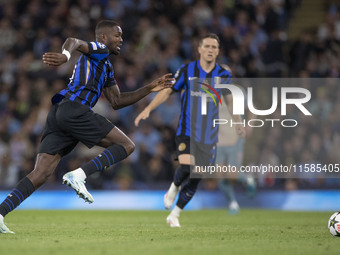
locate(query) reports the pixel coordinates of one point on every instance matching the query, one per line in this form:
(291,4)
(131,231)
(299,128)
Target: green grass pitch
(146,232)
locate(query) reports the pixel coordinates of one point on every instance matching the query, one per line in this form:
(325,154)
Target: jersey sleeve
(179,79)
(97,50)
(111,81)
(226,79)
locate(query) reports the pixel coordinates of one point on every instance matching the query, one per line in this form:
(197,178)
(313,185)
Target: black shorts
(70,122)
(205,154)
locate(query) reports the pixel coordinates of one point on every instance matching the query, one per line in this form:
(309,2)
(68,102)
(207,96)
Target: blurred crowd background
(159,36)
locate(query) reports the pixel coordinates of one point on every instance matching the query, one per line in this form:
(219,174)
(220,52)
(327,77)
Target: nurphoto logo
(281,97)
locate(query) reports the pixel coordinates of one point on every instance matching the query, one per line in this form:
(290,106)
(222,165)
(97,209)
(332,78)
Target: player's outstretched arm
(119,100)
(161,97)
(69,46)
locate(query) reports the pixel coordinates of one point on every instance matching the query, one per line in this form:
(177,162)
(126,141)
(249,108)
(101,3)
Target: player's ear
(199,49)
(105,38)
(102,38)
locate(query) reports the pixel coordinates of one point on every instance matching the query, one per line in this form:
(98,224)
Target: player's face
(114,40)
(208,50)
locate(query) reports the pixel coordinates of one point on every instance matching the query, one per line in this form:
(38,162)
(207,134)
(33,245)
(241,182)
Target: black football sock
(108,157)
(187,192)
(182,172)
(22,191)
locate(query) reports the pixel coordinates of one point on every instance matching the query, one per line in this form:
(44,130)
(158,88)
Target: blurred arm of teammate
(240,130)
(250,129)
(157,101)
(119,100)
(69,46)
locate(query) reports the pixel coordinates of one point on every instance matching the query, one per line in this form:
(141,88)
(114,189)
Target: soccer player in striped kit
(71,119)
(205,139)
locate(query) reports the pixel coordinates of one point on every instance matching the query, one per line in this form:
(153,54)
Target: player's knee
(129,147)
(127,144)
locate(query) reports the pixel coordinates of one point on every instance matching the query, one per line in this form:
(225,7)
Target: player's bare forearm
(119,100)
(69,46)
(161,97)
(240,130)
(127,98)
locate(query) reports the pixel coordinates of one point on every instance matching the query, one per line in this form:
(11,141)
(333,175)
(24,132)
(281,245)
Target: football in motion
(334,224)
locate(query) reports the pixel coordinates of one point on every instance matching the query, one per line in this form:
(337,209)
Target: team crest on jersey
(181,147)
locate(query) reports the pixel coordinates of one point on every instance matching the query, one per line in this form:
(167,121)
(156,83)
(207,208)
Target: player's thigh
(186,159)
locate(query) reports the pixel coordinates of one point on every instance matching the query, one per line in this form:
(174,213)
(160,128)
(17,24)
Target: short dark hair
(105,23)
(210,35)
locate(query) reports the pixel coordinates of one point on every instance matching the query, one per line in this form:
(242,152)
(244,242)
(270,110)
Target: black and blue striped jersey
(187,77)
(92,72)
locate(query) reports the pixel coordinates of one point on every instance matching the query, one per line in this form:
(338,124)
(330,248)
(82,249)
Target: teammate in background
(230,152)
(71,119)
(204,68)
